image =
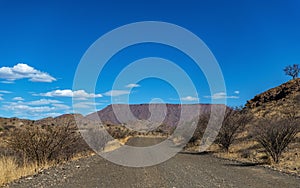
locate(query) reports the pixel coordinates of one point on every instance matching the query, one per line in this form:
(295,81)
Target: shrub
(275,135)
(200,129)
(234,120)
(42,144)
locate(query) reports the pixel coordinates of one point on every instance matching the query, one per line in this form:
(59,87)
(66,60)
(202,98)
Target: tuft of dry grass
(10,170)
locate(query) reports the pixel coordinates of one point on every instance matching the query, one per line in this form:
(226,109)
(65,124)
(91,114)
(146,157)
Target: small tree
(276,135)
(234,120)
(201,127)
(292,70)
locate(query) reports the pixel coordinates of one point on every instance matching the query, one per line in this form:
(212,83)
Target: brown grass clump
(10,170)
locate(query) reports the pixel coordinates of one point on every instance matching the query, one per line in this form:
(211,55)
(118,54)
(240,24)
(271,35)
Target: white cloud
(61,106)
(237,92)
(53,114)
(6,92)
(21,108)
(2,92)
(18,99)
(21,71)
(85,104)
(114,93)
(34,103)
(26,109)
(189,98)
(221,95)
(79,94)
(7,82)
(43,102)
(132,85)
(36,109)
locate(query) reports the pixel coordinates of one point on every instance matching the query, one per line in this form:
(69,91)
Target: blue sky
(42,43)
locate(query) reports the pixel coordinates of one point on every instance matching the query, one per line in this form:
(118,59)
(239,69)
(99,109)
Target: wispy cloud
(189,98)
(36,109)
(114,93)
(22,71)
(237,92)
(2,92)
(18,99)
(85,104)
(79,94)
(35,102)
(222,95)
(6,82)
(43,102)
(132,85)
(5,92)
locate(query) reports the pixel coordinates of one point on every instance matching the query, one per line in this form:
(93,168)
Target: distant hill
(163,114)
(170,113)
(276,100)
(60,120)
(271,102)
(8,123)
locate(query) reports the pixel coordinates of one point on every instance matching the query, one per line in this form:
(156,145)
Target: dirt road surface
(183,170)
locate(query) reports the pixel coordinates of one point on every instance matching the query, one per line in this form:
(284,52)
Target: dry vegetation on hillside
(266,132)
(28,146)
(272,137)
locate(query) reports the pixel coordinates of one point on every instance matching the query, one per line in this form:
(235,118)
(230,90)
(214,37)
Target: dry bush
(200,129)
(165,129)
(42,144)
(234,120)
(118,132)
(275,135)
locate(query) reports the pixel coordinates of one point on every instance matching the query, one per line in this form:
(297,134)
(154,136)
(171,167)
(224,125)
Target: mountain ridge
(270,101)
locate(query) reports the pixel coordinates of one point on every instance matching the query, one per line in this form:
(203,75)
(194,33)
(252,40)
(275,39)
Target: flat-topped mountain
(167,114)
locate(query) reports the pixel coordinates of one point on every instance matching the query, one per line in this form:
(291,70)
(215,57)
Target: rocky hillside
(277,100)
(9,123)
(60,120)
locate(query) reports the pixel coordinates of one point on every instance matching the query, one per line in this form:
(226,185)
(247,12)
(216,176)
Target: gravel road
(183,170)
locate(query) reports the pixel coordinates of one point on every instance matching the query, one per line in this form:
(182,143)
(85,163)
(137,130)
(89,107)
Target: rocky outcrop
(277,102)
(283,92)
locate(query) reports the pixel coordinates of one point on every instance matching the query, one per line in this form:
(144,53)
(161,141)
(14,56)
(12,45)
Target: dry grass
(10,170)
(249,151)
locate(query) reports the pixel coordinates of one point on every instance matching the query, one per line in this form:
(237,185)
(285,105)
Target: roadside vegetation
(273,139)
(30,148)
(235,120)
(26,149)
(266,131)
